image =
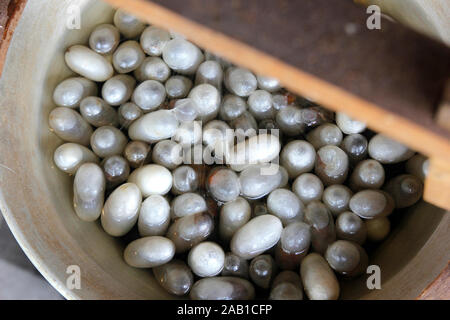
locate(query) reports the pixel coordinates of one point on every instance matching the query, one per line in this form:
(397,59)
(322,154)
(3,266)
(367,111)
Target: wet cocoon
(136,153)
(88,63)
(189,133)
(284,204)
(240,82)
(232,107)
(121,210)
(260,105)
(149,95)
(128,113)
(182,56)
(293,245)
(70,126)
(233,215)
(235,266)
(168,153)
(104,39)
(355,145)
(215,132)
(153,40)
(350,226)
(268,83)
(343,256)
(152,179)
(128,24)
(188,204)
(308,187)
(98,113)
(368,174)
(289,120)
(286,286)
(256,236)
(337,197)
(210,72)
(256,183)
(108,141)
(206,259)
(298,157)
(185,179)
(369,204)
(318,279)
(178,87)
(313,116)
(187,231)
(152,68)
(207,101)
(149,252)
(88,192)
(405,189)
(223,184)
(326,134)
(261,270)
(349,125)
(222,288)
(154,216)
(174,276)
(68,157)
(116,170)
(154,126)
(331,165)
(322,226)
(386,150)
(258,149)
(71,91)
(377,229)
(347,258)
(118,89)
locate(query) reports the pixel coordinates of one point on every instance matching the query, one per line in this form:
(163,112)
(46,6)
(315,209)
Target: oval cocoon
(88,63)
(89,191)
(318,279)
(152,179)
(149,252)
(154,126)
(262,148)
(256,236)
(121,210)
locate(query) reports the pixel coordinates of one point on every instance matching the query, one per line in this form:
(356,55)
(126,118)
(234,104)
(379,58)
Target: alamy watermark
(73,21)
(374,280)
(73,281)
(373,22)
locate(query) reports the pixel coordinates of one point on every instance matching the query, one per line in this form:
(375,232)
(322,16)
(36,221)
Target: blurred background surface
(19,279)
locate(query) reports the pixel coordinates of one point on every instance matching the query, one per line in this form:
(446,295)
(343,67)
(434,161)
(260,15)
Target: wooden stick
(437,183)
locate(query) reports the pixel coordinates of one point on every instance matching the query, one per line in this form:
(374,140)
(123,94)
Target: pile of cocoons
(282,209)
